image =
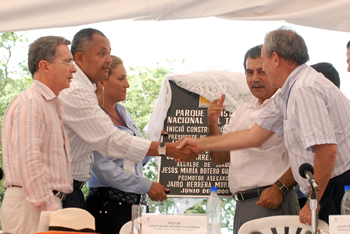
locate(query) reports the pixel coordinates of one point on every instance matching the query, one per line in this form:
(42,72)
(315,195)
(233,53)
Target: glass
(136,218)
(71,63)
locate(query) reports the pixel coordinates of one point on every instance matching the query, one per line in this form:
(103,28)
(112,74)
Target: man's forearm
(249,138)
(324,165)
(214,129)
(287,179)
(187,153)
(217,157)
(153,149)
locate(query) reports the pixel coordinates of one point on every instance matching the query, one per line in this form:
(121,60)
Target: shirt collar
(120,107)
(81,77)
(47,93)
(290,80)
(43,89)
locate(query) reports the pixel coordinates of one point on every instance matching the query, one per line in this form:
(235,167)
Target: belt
(60,195)
(116,195)
(78,184)
(14,186)
(249,194)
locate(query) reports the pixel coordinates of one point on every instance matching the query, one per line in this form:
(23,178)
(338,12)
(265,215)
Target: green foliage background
(9,85)
(144,88)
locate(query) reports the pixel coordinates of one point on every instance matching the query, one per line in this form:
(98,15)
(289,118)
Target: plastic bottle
(214,212)
(345,203)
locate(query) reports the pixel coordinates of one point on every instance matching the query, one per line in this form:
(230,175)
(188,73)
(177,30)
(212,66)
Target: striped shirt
(89,128)
(35,153)
(315,113)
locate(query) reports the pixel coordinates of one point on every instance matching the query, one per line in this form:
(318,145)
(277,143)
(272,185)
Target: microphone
(306,171)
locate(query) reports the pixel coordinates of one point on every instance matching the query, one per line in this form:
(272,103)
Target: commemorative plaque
(187,116)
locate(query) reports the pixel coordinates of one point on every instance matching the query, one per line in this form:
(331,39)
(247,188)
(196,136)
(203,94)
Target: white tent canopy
(18,15)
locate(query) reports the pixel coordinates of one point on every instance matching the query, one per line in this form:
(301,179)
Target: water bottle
(345,203)
(214,212)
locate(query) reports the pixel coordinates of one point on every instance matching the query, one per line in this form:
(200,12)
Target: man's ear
(44,66)
(79,58)
(276,59)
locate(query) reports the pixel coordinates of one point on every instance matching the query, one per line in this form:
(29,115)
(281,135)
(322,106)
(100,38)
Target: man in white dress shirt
(87,125)
(260,178)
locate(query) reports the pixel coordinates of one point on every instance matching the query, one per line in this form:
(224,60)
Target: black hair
(79,43)
(328,71)
(254,52)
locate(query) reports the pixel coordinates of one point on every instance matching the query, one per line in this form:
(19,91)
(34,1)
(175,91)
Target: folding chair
(282,224)
(126,229)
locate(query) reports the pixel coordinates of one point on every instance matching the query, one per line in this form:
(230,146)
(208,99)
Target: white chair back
(279,225)
(126,229)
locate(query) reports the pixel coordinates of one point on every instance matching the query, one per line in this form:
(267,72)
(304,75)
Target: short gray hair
(44,48)
(287,44)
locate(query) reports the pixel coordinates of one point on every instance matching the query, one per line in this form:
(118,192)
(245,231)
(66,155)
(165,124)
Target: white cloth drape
(209,84)
(17,15)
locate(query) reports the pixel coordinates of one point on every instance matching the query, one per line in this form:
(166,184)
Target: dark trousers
(110,215)
(331,199)
(74,199)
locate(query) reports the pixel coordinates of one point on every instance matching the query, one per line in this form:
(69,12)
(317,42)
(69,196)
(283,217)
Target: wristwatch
(282,187)
(162,149)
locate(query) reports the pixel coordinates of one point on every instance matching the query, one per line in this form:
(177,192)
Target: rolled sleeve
(271,118)
(84,116)
(138,150)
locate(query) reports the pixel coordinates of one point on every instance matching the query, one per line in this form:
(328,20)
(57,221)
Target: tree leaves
(10,86)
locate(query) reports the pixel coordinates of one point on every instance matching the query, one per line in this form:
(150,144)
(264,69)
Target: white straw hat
(73,220)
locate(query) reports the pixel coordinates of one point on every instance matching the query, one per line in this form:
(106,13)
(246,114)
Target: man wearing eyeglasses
(36,156)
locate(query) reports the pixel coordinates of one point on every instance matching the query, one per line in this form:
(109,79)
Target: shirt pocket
(291,137)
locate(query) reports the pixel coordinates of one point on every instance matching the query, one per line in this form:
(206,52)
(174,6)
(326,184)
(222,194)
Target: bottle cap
(215,189)
(347,187)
